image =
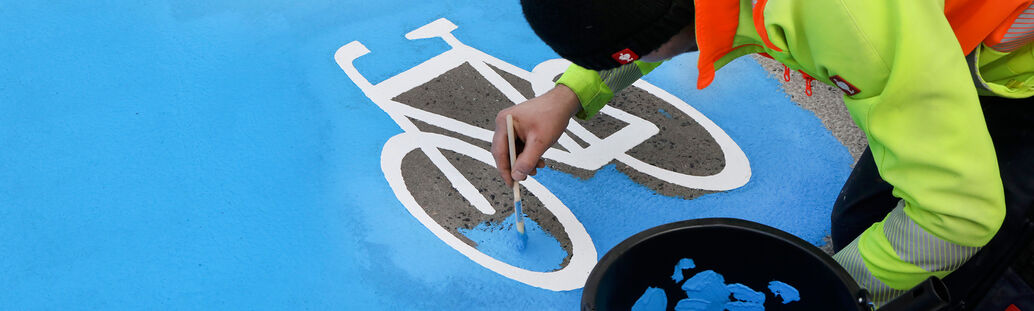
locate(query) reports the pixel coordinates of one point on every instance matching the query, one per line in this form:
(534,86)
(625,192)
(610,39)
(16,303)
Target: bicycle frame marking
(600,151)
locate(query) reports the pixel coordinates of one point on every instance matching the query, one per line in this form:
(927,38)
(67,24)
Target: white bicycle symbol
(600,151)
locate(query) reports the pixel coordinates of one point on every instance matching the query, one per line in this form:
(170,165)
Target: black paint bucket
(743,252)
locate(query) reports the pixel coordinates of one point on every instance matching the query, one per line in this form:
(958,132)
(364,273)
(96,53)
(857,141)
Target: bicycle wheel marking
(452,211)
(570,277)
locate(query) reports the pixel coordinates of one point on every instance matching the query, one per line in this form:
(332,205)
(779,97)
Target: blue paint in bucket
(693,305)
(707,291)
(684,263)
(708,286)
(789,293)
(653,299)
(744,293)
(744,306)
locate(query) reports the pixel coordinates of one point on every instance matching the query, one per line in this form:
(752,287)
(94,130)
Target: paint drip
(500,240)
(780,289)
(707,291)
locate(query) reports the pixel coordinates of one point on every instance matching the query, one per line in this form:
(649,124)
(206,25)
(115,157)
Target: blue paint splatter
(653,299)
(665,113)
(780,289)
(500,240)
(743,293)
(683,264)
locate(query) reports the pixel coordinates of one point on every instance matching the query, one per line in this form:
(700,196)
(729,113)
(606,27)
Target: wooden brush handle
(513,155)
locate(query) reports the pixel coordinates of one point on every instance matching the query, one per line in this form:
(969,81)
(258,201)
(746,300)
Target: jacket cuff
(592,93)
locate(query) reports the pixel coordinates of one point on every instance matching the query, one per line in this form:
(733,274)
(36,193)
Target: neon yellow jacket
(907,85)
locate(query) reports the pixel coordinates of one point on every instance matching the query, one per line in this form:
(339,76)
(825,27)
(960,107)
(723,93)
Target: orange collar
(716,23)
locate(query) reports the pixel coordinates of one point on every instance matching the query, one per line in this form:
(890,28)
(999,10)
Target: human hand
(538,124)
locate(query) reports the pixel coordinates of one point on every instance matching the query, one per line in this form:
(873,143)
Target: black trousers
(866,199)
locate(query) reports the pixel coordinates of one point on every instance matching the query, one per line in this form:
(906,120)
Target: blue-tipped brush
(518,212)
(518,215)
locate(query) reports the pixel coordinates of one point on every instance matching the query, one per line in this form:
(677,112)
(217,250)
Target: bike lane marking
(736,155)
(441,28)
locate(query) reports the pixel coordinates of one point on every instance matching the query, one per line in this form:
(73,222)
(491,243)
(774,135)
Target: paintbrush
(522,237)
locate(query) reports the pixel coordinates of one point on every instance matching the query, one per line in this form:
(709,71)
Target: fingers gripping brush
(518,213)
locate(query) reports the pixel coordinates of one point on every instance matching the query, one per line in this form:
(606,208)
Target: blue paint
(501,241)
(690,304)
(211,154)
(518,219)
(707,291)
(746,294)
(653,299)
(704,281)
(521,240)
(744,306)
(707,286)
(665,113)
(780,289)
(684,263)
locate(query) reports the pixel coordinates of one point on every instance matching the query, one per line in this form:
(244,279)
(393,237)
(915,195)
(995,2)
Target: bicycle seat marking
(440,168)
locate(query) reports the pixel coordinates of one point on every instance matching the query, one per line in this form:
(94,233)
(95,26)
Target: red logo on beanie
(625,56)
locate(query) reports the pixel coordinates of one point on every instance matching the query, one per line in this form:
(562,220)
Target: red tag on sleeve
(845,86)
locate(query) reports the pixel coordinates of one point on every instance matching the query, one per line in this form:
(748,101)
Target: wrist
(567,99)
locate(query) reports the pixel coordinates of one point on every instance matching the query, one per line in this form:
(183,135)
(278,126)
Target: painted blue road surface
(212,155)
(542,252)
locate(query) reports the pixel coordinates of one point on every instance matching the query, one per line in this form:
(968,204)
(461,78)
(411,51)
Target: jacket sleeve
(928,138)
(596,88)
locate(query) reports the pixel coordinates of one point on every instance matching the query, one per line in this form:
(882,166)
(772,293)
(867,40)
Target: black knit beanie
(603,34)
